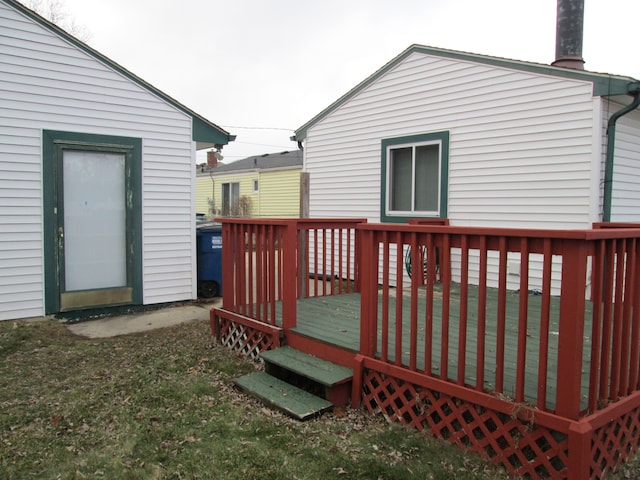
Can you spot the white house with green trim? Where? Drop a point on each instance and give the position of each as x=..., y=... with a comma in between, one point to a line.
x=266, y=185
x=97, y=186
x=482, y=141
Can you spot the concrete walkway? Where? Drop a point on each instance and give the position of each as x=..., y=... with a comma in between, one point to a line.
x=143, y=321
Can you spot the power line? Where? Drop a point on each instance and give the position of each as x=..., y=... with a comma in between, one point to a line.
x=235, y=142
x=259, y=128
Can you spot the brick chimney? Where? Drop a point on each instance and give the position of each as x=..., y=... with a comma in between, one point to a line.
x=212, y=159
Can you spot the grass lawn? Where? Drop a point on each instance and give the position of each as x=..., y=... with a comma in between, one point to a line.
x=162, y=405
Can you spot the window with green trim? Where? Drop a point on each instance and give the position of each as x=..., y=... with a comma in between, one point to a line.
x=414, y=176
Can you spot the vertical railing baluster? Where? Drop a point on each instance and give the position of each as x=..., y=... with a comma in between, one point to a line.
x=324, y=262
x=349, y=264
x=502, y=313
x=272, y=262
x=523, y=310
x=385, y=296
x=432, y=262
x=616, y=359
x=482, y=314
x=341, y=275
x=607, y=322
x=597, y=272
x=416, y=279
x=626, y=318
x=634, y=359
x=399, y=297
x=242, y=268
x=259, y=250
x=250, y=264
x=543, y=349
x=464, y=305
x=445, y=279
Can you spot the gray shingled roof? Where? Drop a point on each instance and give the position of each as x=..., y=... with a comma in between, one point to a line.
x=262, y=162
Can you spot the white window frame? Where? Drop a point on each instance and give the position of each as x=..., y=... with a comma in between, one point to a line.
x=389, y=159
x=227, y=204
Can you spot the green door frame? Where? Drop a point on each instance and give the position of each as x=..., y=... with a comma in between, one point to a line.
x=53, y=145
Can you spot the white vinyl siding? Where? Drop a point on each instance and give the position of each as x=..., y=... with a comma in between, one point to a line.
x=49, y=84
x=625, y=205
x=520, y=151
x=21, y=268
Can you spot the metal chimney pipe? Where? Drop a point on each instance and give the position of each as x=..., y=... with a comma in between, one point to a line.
x=569, y=26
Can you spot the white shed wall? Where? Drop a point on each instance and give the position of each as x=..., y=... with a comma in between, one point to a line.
x=49, y=84
x=521, y=144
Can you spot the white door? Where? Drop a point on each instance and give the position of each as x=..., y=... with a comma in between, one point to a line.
x=92, y=229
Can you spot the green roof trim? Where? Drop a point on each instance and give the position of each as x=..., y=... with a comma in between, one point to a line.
x=204, y=132
x=603, y=84
x=207, y=132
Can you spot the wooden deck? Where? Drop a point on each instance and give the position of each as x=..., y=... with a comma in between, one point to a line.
x=336, y=320
x=490, y=369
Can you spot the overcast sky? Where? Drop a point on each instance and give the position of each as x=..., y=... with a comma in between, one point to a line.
x=275, y=64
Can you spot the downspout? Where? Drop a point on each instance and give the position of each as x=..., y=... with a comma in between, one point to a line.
x=212, y=206
x=633, y=90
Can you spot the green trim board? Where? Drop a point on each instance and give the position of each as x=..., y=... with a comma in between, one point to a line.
x=603, y=84
x=443, y=138
x=53, y=144
x=203, y=130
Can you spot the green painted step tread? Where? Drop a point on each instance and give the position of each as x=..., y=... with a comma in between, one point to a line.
x=314, y=368
x=283, y=396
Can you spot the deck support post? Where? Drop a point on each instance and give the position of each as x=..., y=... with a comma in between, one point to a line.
x=368, y=298
x=579, y=458
x=570, y=340
x=228, y=257
x=356, y=384
x=289, y=282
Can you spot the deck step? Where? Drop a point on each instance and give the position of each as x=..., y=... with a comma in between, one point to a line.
x=283, y=396
x=313, y=368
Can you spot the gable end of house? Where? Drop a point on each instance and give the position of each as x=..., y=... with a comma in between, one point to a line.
x=603, y=84
x=206, y=134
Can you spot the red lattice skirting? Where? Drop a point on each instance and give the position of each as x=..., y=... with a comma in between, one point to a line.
x=525, y=441
x=242, y=334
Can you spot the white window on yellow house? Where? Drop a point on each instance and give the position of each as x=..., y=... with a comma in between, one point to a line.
x=230, y=199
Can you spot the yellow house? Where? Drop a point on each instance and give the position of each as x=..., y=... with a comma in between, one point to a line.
x=261, y=186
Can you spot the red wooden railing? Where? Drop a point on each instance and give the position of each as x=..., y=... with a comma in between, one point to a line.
x=327, y=257
x=271, y=263
x=597, y=325
x=450, y=319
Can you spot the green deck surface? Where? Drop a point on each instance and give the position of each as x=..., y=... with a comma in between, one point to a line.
x=336, y=320
x=283, y=396
x=316, y=369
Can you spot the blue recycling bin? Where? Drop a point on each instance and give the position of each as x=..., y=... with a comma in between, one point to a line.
x=209, y=254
